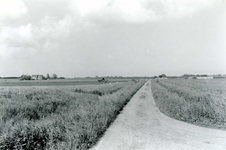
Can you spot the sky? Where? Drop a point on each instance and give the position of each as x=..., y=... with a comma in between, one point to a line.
x=112, y=37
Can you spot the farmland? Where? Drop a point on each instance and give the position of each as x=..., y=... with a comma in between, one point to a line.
x=60, y=117
x=200, y=102
x=58, y=82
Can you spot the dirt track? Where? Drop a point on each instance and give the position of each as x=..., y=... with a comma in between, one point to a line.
x=141, y=126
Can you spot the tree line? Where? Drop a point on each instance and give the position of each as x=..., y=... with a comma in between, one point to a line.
x=47, y=77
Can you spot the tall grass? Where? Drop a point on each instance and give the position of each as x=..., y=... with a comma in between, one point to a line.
x=99, y=90
x=191, y=101
x=59, y=118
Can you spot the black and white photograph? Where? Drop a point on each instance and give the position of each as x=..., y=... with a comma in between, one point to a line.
x=112, y=74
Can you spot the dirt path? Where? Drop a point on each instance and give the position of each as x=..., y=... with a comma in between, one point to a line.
x=141, y=126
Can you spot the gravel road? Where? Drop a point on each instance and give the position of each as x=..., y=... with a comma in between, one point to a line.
x=141, y=126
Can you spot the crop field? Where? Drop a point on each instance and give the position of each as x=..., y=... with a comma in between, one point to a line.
x=60, y=117
x=58, y=82
x=200, y=102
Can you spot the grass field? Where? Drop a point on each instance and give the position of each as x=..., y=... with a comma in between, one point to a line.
x=58, y=82
x=201, y=102
x=61, y=117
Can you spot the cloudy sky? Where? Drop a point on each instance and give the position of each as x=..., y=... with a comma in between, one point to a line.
x=112, y=37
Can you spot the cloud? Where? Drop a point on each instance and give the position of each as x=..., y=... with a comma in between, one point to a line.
x=178, y=8
x=16, y=40
x=54, y=29
x=17, y=36
x=113, y=10
x=29, y=38
x=22, y=46
x=137, y=11
x=12, y=9
x=90, y=34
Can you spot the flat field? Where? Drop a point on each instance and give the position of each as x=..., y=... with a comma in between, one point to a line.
x=57, y=82
x=60, y=117
x=200, y=102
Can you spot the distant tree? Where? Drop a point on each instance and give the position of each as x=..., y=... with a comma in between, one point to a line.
x=25, y=77
x=204, y=75
x=61, y=77
x=22, y=77
x=44, y=78
x=160, y=76
x=47, y=76
x=54, y=76
x=155, y=77
x=163, y=75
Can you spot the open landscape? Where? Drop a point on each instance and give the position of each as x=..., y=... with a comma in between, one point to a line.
x=67, y=116
x=61, y=117
x=60, y=82
x=112, y=74
x=200, y=102
x=142, y=126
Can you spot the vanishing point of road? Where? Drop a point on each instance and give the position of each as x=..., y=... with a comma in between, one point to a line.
x=141, y=126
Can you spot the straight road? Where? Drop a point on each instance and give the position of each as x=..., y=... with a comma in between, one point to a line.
x=141, y=126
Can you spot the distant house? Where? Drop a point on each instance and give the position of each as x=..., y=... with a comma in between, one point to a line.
x=37, y=77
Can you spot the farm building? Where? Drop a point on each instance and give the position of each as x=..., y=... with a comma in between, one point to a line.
x=37, y=77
